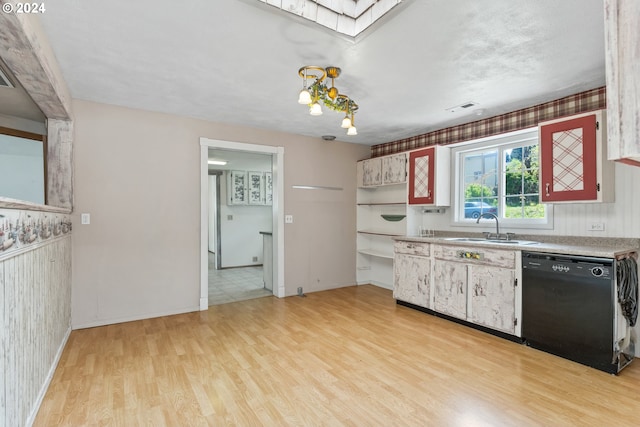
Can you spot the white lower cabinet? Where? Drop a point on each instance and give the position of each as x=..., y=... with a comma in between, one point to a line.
x=492, y=298
x=412, y=273
x=475, y=284
x=412, y=279
x=450, y=288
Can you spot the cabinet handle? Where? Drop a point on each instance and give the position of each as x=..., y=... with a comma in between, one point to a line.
x=410, y=246
x=547, y=186
x=470, y=255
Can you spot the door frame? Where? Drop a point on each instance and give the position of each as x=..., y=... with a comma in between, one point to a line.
x=277, y=154
x=218, y=243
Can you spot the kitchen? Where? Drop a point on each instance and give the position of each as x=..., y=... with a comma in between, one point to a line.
x=125, y=148
x=433, y=263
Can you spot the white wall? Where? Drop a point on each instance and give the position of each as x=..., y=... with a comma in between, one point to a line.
x=138, y=174
x=240, y=227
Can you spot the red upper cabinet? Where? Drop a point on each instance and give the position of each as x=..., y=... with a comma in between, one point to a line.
x=429, y=176
x=573, y=165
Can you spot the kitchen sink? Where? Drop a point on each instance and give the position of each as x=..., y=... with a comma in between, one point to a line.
x=497, y=241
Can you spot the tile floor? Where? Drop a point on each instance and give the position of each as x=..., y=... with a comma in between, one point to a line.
x=235, y=284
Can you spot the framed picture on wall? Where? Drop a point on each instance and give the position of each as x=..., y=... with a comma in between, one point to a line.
x=268, y=188
x=256, y=188
x=237, y=188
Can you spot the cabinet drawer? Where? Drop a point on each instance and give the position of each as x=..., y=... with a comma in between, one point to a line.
x=412, y=248
x=476, y=255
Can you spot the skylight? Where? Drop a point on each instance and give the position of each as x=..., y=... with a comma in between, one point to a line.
x=349, y=17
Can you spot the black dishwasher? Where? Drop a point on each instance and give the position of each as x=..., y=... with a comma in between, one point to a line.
x=568, y=308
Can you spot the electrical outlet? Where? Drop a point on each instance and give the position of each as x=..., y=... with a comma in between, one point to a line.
x=596, y=226
x=85, y=218
x=288, y=219
x=229, y=217
x=255, y=259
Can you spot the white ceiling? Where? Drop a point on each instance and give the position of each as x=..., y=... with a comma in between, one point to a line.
x=237, y=61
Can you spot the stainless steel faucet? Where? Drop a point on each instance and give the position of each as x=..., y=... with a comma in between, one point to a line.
x=494, y=216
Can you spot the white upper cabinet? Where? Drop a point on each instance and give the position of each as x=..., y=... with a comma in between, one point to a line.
x=385, y=170
x=622, y=59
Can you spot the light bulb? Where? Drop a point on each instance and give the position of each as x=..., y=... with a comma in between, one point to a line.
x=304, y=97
x=346, y=122
x=315, y=110
x=352, y=131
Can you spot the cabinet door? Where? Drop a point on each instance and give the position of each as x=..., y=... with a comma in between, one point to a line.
x=394, y=169
x=492, y=298
x=237, y=188
x=372, y=172
x=255, y=188
x=622, y=59
x=268, y=188
x=450, y=288
x=411, y=279
x=421, y=176
x=568, y=160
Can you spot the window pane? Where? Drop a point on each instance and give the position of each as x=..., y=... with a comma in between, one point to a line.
x=480, y=176
x=524, y=207
x=521, y=183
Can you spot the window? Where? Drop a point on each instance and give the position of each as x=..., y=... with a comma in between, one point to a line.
x=22, y=166
x=499, y=175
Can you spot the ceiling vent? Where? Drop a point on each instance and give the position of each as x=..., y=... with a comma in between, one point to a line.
x=4, y=80
x=463, y=106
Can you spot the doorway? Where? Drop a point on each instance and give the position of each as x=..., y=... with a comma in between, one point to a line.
x=240, y=225
x=277, y=219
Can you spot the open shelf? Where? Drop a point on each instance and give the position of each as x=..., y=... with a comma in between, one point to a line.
x=375, y=253
x=380, y=233
x=381, y=215
x=383, y=204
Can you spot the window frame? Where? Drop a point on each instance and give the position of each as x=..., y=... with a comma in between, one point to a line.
x=501, y=143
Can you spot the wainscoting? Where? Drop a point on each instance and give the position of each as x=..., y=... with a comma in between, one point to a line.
x=36, y=320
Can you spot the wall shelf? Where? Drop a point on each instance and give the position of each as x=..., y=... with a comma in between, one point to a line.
x=383, y=204
x=379, y=233
x=378, y=254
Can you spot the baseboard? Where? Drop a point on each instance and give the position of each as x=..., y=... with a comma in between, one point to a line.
x=105, y=322
x=47, y=381
x=378, y=284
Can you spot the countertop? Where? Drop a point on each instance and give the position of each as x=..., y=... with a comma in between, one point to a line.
x=569, y=245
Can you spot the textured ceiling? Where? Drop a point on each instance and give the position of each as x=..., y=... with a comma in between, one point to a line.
x=237, y=61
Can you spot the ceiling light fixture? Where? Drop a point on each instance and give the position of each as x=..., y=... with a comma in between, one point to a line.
x=217, y=162
x=316, y=94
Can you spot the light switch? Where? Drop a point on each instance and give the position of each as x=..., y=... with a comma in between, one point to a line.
x=85, y=218
x=288, y=219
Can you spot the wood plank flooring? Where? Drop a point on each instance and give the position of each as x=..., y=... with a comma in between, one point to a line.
x=345, y=357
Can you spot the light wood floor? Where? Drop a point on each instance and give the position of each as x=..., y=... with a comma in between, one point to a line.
x=343, y=357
